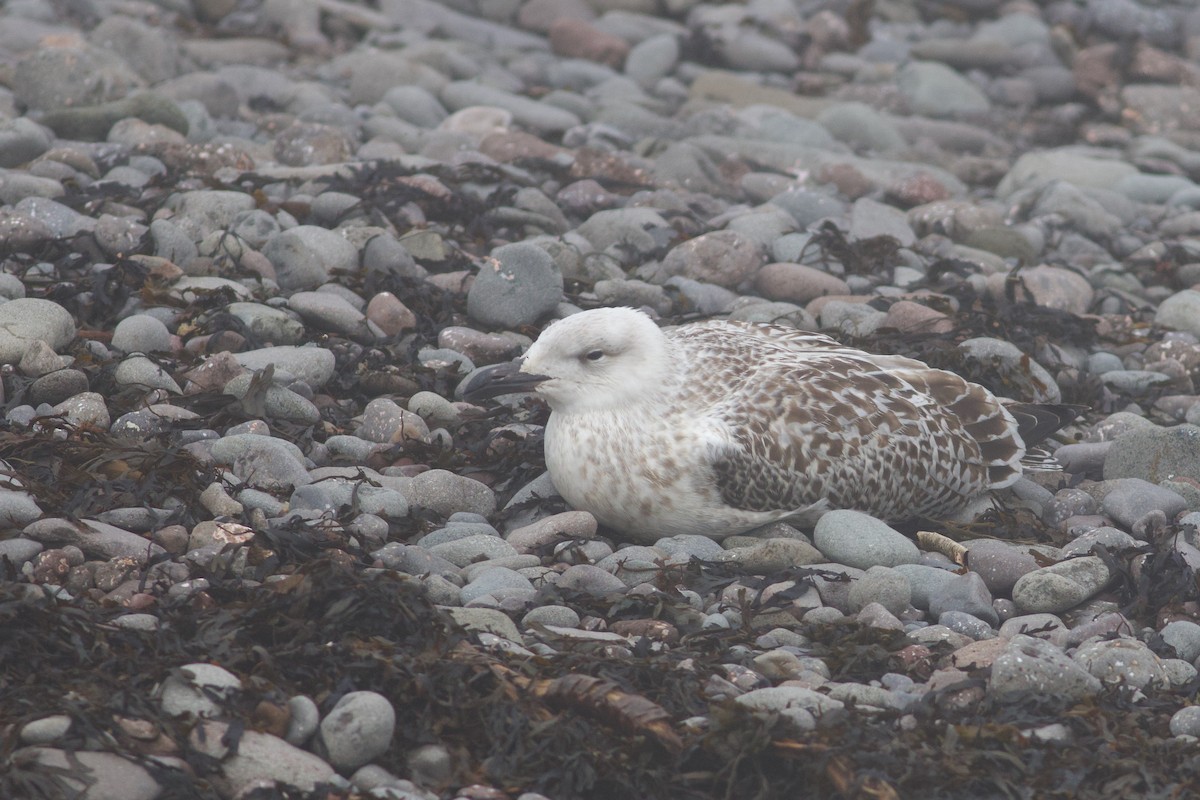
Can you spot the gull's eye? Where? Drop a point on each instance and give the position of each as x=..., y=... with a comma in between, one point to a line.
x=594, y=355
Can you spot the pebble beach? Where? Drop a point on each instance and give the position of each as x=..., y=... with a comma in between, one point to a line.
x=256, y=544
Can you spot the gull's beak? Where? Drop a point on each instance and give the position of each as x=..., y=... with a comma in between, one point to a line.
x=500, y=379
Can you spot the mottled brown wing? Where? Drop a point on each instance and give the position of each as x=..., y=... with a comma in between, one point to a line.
x=896, y=442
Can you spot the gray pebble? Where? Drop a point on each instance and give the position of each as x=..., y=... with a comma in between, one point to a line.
x=1043, y=626
x=306, y=256
x=1025, y=374
x=445, y=493
x=278, y=402
x=1082, y=458
x=137, y=622
x=725, y=258
x=17, y=509
x=859, y=540
x=332, y=495
x=966, y=593
x=1180, y=311
x=22, y=140
x=262, y=461
x=269, y=325
x=107, y=774
x=1111, y=538
x=313, y=365
x=137, y=371
x=1186, y=722
x=1155, y=454
x=45, y=730
x=96, y=540
x=305, y=717
x=200, y=690
x=1130, y=499
x=141, y=333
x=935, y=90
x=260, y=757
x=801, y=707
x=457, y=530
x=518, y=285
x=862, y=127
x=1061, y=586
x=201, y=212
x=1184, y=636
x=590, y=580
x=881, y=585
x=568, y=525
x=462, y=552
x=530, y=113
x=634, y=564
x=414, y=560
x=690, y=546
x=357, y=729
x=329, y=312
x=486, y=620
x=29, y=319
x=1030, y=666
x=20, y=550
x=560, y=616
x=431, y=765
x=1126, y=662
x=923, y=581
x=998, y=563
x=775, y=555
x=967, y=624
x=85, y=408
x=494, y=578
x=652, y=59
x=630, y=233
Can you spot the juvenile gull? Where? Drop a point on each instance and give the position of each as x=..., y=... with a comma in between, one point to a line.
x=718, y=427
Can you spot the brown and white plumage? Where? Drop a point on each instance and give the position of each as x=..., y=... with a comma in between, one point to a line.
x=718, y=427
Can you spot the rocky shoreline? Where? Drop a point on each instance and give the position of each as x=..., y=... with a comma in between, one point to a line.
x=255, y=539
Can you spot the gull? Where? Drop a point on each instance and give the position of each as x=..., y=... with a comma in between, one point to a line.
x=718, y=427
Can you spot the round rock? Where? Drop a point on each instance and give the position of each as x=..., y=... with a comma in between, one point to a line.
x=519, y=285
x=306, y=256
x=1035, y=667
x=725, y=258
x=141, y=333
x=358, y=729
x=26, y=320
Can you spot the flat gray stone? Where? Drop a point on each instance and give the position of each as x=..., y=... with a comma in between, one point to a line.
x=1130, y=499
x=313, y=365
x=262, y=461
x=534, y=114
x=1154, y=454
x=96, y=539
x=1062, y=586
x=260, y=757
x=106, y=776
x=859, y=540
x=445, y=493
